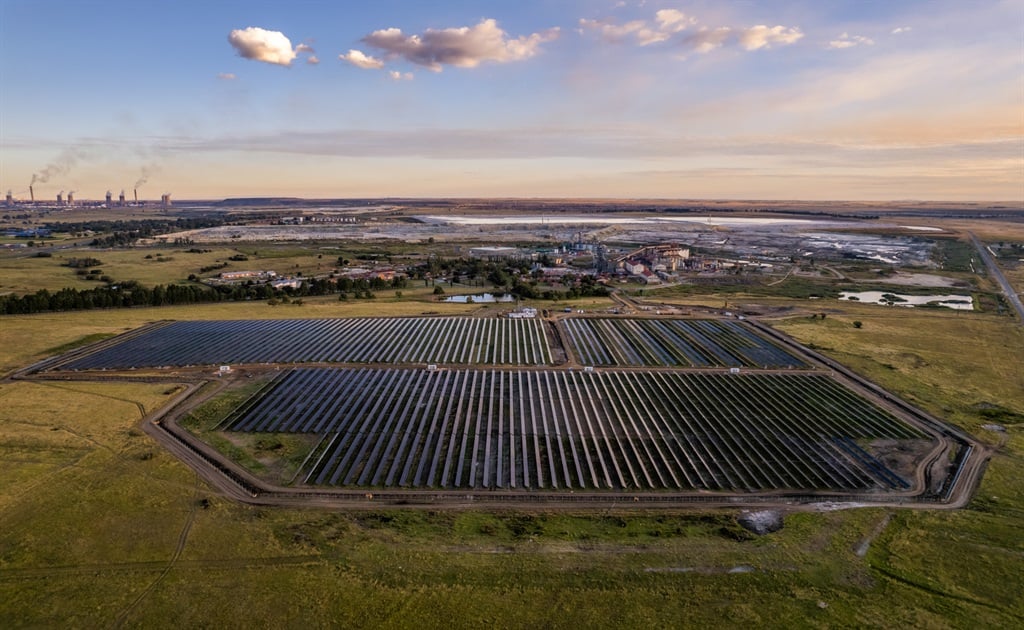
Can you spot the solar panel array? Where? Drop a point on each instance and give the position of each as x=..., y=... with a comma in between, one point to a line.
x=450, y=340
x=674, y=342
x=472, y=428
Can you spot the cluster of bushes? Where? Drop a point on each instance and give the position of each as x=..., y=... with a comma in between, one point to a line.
x=82, y=263
x=125, y=233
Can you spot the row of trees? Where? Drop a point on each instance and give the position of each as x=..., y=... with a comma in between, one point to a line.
x=125, y=233
x=131, y=294
x=122, y=295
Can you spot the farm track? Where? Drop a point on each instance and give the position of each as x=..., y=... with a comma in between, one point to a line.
x=993, y=269
x=122, y=617
x=233, y=481
x=155, y=566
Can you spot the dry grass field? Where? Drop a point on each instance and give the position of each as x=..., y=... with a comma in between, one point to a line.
x=100, y=527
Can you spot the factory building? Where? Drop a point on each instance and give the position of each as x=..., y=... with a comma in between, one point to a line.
x=500, y=253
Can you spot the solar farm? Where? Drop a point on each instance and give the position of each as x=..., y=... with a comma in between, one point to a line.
x=569, y=429
x=644, y=406
x=682, y=343
x=457, y=340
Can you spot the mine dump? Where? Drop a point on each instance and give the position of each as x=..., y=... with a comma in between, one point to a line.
x=425, y=408
x=760, y=238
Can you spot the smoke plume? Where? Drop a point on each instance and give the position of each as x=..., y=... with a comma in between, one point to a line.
x=61, y=165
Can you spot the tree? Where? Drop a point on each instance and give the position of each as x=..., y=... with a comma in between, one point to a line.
x=438, y=290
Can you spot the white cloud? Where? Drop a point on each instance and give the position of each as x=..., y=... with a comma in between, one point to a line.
x=262, y=45
x=761, y=36
x=849, y=41
x=361, y=60
x=226, y=76
x=610, y=31
x=707, y=39
x=310, y=53
x=673, y=19
x=666, y=23
x=464, y=47
x=400, y=76
x=900, y=29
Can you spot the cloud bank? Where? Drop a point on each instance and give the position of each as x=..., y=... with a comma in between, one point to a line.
x=463, y=47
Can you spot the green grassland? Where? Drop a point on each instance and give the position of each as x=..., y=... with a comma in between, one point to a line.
x=100, y=527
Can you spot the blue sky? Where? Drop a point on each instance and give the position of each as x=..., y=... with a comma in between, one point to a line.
x=589, y=98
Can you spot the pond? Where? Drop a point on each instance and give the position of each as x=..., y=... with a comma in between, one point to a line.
x=958, y=302
x=482, y=298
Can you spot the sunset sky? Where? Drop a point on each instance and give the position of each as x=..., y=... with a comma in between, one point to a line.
x=814, y=99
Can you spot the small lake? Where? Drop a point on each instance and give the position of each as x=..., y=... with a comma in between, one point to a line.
x=958, y=302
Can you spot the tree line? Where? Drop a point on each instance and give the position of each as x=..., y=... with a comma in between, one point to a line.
x=131, y=294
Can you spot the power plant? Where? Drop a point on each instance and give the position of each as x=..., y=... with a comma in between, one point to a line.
x=66, y=199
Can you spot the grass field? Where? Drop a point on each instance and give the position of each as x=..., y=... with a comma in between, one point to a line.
x=98, y=526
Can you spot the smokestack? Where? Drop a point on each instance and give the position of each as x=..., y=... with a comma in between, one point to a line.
x=60, y=197
x=32, y=194
x=120, y=200
x=110, y=198
x=136, y=191
x=10, y=199
x=71, y=198
x=165, y=200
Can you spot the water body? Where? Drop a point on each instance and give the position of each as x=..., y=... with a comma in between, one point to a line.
x=617, y=220
x=483, y=298
x=958, y=302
